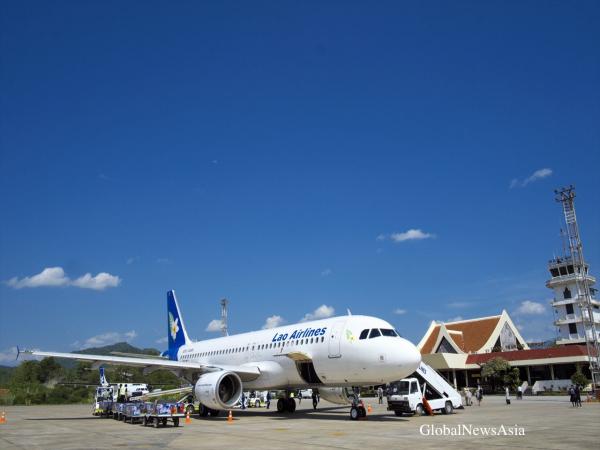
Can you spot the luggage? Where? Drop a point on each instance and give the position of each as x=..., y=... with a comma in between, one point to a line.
x=508, y=401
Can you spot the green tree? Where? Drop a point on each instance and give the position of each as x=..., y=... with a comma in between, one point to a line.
x=500, y=373
x=579, y=378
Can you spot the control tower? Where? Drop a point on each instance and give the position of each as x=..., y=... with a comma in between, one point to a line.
x=577, y=310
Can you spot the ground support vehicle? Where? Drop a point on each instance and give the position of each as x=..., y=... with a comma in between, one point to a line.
x=158, y=413
x=424, y=390
x=256, y=399
x=103, y=408
x=133, y=412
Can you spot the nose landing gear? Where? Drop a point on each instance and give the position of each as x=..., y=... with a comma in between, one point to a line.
x=357, y=410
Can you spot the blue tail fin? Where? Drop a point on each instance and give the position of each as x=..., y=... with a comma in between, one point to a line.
x=103, y=380
x=176, y=332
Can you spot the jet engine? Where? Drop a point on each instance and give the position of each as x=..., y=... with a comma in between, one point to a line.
x=337, y=395
x=218, y=390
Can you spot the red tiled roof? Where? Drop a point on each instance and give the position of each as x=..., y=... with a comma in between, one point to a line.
x=523, y=355
x=430, y=342
x=475, y=333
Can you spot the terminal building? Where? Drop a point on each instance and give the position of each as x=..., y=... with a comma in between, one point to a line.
x=458, y=350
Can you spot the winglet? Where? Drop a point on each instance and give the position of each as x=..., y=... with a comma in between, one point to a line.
x=19, y=352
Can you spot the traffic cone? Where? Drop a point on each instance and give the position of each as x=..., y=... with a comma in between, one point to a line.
x=187, y=418
x=369, y=409
x=3, y=417
x=230, y=417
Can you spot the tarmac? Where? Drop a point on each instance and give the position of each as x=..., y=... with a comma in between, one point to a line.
x=540, y=423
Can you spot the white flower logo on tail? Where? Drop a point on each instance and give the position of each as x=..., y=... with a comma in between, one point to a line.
x=174, y=326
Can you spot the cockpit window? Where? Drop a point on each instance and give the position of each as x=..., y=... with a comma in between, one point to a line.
x=388, y=332
x=364, y=334
x=374, y=333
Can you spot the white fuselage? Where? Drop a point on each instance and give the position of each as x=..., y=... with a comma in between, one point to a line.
x=333, y=346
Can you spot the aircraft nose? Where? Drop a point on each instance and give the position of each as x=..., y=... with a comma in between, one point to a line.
x=410, y=357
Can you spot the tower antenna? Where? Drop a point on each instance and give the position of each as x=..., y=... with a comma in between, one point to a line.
x=224, y=330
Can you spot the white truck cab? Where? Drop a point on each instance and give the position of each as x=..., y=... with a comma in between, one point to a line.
x=406, y=396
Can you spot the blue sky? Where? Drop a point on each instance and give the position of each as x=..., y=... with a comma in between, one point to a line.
x=279, y=153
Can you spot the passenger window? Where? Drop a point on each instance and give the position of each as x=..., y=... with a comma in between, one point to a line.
x=374, y=333
x=364, y=334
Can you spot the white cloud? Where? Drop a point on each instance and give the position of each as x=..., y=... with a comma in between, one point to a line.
x=133, y=259
x=326, y=272
x=98, y=283
x=531, y=308
x=273, y=322
x=399, y=311
x=163, y=261
x=56, y=276
x=410, y=235
x=162, y=340
x=214, y=325
x=537, y=175
x=414, y=234
x=110, y=337
x=322, y=312
x=50, y=276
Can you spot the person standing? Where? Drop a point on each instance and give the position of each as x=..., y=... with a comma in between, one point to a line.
x=469, y=397
x=268, y=399
x=507, y=395
x=315, y=399
x=519, y=393
x=479, y=395
x=577, y=396
x=380, y=395
x=572, y=396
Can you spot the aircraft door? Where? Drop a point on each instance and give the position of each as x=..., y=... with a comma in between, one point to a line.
x=335, y=338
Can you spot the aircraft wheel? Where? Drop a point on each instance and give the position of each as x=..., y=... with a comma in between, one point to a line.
x=291, y=405
x=354, y=414
x=281, y=405
x=203, y=410
x=362, y=412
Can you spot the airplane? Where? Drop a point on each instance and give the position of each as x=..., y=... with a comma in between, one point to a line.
x=334, y=355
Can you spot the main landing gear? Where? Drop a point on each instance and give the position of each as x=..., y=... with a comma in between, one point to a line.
x=286, y=404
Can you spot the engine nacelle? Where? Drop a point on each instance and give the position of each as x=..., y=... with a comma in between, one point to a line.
x=218, y=390
x=337, y=395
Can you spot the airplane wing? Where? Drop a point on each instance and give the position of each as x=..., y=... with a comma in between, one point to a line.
x=180, y=368
x=185, y=390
